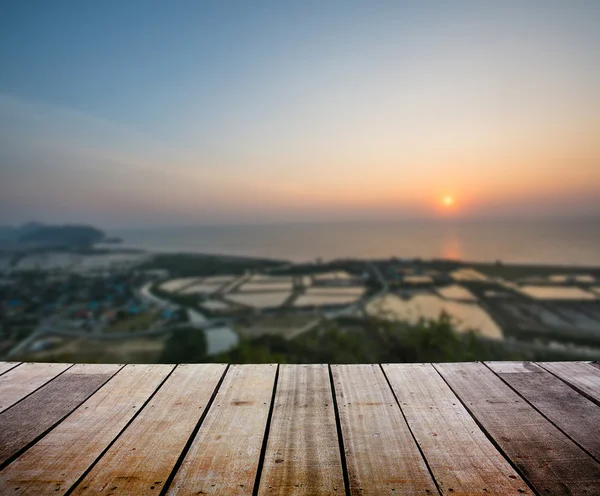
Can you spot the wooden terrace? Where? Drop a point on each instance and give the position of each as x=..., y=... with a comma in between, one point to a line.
x=499, y=428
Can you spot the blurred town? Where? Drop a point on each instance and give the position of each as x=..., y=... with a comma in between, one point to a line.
x=115, y=305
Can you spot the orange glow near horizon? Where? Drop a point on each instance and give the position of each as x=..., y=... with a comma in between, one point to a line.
x=448, y=201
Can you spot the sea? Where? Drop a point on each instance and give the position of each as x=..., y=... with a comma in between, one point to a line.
x=552, y=242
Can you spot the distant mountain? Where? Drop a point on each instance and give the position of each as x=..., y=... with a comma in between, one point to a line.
x=29, y=227
x=69, y=235
x=37, y=234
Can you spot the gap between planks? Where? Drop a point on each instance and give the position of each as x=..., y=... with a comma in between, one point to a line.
x=460, y=456
x=19, y=382
x=58, y=460
x=31, y=418
x=164, y=425
x=571, y=412
x=549, y=460
x=583, y=377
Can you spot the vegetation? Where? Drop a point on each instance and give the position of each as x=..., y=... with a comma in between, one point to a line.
x=139, y=322
x=184, y=300
x=547, y=335
x=516, y=271
x=356, y=267
x=194, y=301
x=189, y=264
x=185, y=345
x=375, y=341
x=346, y=340
x=61, y=235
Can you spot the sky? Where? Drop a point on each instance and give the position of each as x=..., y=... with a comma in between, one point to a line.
x=144, y=113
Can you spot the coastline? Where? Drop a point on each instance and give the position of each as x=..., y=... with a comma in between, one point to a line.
x=529, y=242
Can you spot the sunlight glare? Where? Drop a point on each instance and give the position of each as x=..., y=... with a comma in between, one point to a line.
x=448, y=201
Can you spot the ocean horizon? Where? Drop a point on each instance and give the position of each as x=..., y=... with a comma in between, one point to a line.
x=527, y=241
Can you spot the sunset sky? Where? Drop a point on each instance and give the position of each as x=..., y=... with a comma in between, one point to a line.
x=146, y=113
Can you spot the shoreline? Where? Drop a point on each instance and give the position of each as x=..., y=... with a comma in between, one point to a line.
x=536, y=268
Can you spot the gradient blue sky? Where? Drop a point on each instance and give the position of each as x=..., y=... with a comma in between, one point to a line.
x=145, y=113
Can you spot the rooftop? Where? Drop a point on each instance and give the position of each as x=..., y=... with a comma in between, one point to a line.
x=454, y=428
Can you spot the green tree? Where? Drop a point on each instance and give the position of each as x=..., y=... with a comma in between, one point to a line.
x=185, y=345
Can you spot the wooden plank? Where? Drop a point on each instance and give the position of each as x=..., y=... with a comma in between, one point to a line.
x=461, y=457
x=31, y=417
x=131, y=465
x=25, y=379
x=550, y=461
x=582, y=376
x=381, y=454
x=6, y=366
x=513, y=367
x=571, y=412
x=303, y=453
x=56, y=461
x=224, y=456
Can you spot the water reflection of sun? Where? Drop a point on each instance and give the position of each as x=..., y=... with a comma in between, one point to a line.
x=451, y=248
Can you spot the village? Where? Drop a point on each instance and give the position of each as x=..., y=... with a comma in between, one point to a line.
x=112, y=306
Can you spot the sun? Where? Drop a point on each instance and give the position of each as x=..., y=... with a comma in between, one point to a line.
x=448, y=201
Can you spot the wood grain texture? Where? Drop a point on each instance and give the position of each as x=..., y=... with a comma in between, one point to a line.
x=303, y=454
x=571, y=412
x=142, y=458
x=224, y=456
x=55, y=462
x=514, y=367
x=582, y=376
x=6, y=366
x=381, y=454
x=62, y=442
x=549, y=460
x=461, y=457
x=23, y=380
x=31, y=417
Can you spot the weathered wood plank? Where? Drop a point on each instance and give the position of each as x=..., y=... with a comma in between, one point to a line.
x=513, y=367
x=25, y=379
x=55, y=462
x=224, y=456
x=582, y=376
x=31, y=417
x=461, y=457
x=573, y=413
x=303, y=454
x=549, y=460
x=6, y=366
x=131, y=465
x=381, y=454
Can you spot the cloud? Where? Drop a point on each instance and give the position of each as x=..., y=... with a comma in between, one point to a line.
x=56, y=161
x=58, y=164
